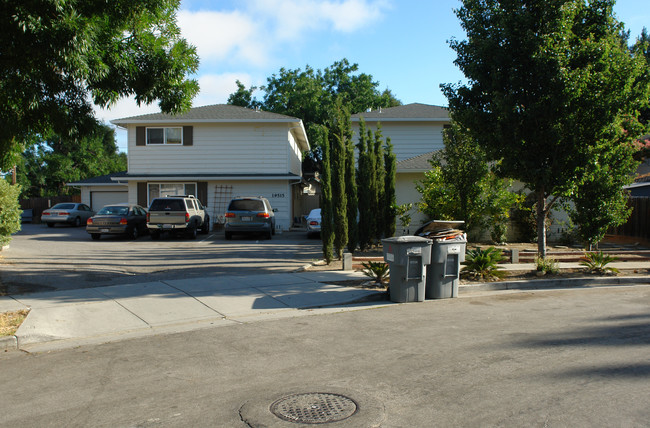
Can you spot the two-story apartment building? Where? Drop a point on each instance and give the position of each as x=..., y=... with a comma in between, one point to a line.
x=214, y=152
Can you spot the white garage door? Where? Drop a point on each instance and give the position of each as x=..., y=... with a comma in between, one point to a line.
x=99, y=199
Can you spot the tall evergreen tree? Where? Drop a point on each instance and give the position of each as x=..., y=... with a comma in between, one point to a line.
x=372, y=186
x=353, y=203
x=342, y=132
x=363, y=187
x=327, y=223
x=389, y=202
x=380, y=174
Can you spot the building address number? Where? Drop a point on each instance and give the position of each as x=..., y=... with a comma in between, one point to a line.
x=277, y=195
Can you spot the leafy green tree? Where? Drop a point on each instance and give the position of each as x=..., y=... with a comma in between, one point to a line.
x=599, y=200
x=311, y=95
x=327, y=220
x=389, y=201
x=545, y=83
x=49, y=165
x=9, y=211
x=57, y=56
x=461, y=186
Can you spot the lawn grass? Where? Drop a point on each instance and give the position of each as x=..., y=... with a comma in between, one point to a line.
x=10, y=321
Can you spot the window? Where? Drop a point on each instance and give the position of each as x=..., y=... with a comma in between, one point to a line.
x=164, y=136
x=160, y=190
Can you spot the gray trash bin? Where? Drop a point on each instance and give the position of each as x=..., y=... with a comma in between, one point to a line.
x=444, y=271
x=407, y=258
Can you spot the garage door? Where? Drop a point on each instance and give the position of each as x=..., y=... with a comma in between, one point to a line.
x=99, y=199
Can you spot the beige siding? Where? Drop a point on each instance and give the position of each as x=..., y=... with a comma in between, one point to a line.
x=217, y=148
x=295, y=156
x=409, y=139
x=405, y=193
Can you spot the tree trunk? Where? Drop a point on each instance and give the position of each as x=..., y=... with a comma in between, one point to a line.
x=541, y=224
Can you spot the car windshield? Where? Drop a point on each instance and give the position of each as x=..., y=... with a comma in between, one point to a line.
x=114, y=211
x=167, y=205
x=246, y=205
x=314, y=213
x=63, y=207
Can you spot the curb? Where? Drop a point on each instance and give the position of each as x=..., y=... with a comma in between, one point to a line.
x=555, y=283
x=8, y=343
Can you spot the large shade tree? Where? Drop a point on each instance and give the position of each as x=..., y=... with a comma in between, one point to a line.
x=547, y=82
x=56, y=57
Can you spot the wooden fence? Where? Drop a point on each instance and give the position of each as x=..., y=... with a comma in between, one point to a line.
x=637, y=224
x=38, y=205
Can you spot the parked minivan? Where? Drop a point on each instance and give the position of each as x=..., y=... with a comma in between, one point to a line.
x=251, y=214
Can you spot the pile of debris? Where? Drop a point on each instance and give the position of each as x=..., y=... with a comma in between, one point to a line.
x=440, y=230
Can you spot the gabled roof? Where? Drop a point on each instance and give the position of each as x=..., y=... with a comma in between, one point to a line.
x=211, y=113
x=408, y=112
x=418, y=163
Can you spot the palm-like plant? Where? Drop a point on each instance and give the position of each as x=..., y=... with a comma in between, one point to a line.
x=597, y=262
x=483, y=264
x=378, y=271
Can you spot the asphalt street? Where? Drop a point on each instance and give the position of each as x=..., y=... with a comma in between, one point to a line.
x=554, y=358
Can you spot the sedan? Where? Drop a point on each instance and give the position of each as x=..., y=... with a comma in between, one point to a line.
x=313, y=222
x=68, y=213
x=118, y=219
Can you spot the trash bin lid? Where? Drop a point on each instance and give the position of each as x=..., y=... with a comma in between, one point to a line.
x=406, y=240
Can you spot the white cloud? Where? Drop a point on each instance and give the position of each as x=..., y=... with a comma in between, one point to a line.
x=215, y=88
x=220, y=36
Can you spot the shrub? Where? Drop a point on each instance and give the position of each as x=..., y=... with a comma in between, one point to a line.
x=547, y=265
x=9, y=211
x=597, y=262
x=378, y=271
x=483, y=264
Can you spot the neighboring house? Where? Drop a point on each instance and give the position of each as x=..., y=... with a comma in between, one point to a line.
x=214, y=152
x=415, y=131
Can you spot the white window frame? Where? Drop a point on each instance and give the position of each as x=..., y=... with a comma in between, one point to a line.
x=165, y=141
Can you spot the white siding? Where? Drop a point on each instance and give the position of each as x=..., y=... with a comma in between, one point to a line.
x=217, y=148
x=409, y=139
x=295, y=156
x=405, y=193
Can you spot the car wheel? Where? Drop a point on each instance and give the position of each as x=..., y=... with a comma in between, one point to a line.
x=191, y=233
x=134, y=233
x=269, y=235
x=155, y=235
x=77, y=222
x=50, y=224
x=95, y=236
x=228, y=236
x=205, y=229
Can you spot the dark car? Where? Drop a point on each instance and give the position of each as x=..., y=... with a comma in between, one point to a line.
x=118, y=219
x=250, y=215
x=68, y=212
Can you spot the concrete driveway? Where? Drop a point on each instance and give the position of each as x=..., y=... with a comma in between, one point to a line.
x=42, y=258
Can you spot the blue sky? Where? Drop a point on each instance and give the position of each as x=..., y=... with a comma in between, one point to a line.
x=401, y=43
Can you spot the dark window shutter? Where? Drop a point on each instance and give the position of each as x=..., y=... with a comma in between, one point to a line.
x=202, y=192
x=140, y=136
x=142, y=194
x=188, y=132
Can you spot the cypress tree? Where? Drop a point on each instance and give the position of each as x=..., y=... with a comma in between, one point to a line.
x=372, y=187
x=351, y=191
x=327, y=229
x=363, y=186
x=380, y=173
x=338, y=161
x=390, y=216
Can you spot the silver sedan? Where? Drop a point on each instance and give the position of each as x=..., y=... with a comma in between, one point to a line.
x=67, y=213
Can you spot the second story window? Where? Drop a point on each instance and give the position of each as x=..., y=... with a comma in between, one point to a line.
x=165, y=136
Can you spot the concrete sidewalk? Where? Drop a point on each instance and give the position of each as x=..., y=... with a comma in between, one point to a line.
x=61, y=319
x=66, y=318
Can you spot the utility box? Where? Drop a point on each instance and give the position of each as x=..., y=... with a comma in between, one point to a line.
x=407, y=258
x=444, y=271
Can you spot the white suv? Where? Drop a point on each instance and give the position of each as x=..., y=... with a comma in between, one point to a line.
x=177, y=214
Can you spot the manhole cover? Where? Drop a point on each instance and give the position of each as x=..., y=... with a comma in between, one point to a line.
x=314, y=408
